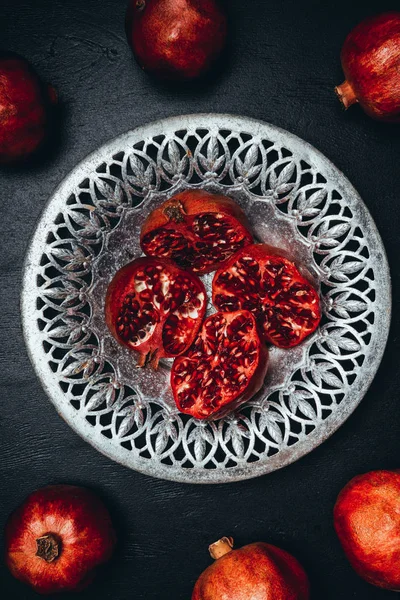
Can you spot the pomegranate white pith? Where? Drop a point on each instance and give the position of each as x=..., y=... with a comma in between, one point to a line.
x=196, y=229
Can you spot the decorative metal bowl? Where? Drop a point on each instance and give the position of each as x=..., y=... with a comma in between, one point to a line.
x=295, y=199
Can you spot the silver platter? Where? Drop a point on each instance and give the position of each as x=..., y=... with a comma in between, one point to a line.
x=295, y=199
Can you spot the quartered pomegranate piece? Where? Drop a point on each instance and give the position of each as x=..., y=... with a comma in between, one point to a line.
x=285, y=304
x=225, y=366
x=196, y=229
x=155, y=308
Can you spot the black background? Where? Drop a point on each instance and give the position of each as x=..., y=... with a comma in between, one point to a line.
x=282, y=66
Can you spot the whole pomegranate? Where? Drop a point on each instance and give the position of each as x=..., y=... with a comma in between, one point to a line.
x=57, y=537
x=24, y=108
x=367, y=521
x=255, y=572
x=371, y=64
x=175, y=39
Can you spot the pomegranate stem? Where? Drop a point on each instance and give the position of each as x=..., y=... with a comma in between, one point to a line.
x=48, y=547
x=346, y=94
x=220, y=548
x=154, y=360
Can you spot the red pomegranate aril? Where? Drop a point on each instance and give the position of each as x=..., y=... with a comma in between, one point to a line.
x=196, y=229
x=150, y=308
x=224, y=367
x=284, y=303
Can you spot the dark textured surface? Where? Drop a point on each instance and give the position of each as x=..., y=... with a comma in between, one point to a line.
x=282, y=66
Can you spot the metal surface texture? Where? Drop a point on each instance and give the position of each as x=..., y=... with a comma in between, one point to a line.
x=295, y=199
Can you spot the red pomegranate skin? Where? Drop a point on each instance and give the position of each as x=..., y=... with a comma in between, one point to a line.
x=258, y=571
x=367, y=521
x=176, y=39
x=80, y=522
x=23, y=109
x=371, y=64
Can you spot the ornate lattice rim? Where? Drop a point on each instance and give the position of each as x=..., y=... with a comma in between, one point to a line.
x=302, y=151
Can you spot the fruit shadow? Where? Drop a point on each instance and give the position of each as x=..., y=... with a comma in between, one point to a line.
x=197, y=88
x=380, y=131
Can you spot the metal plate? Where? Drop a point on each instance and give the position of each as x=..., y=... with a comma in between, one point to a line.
x=295, y=199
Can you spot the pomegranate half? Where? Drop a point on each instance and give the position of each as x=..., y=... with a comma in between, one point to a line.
x=196, y=229
x=155, y=308
x=225, y=366
x=259, y=279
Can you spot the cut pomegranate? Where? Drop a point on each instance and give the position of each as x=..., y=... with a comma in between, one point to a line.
x=225, y=366
x=155, y=308
x=196, y=229
x=259, y=279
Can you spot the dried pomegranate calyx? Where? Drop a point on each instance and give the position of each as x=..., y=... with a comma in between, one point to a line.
x=221, y=547
x=175, y=211
x=346, y=94
x=151, y=358
x=48, y=547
